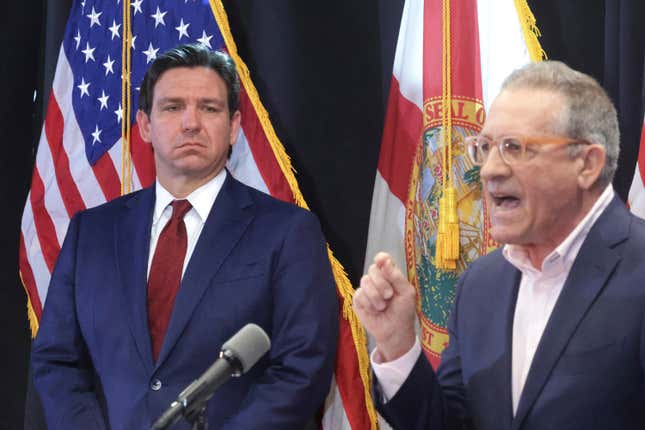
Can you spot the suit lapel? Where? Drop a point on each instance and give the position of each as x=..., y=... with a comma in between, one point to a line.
x=132, y=242
x=228, y=219
x=510, y=276
x=592, y=268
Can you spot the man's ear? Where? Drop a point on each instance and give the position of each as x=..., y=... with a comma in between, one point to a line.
x=593, y=160
x=144, y=125
x=236, y=120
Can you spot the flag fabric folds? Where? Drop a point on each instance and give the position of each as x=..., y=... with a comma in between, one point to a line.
x=637, y=191
x=450, y=61
x=90, y=150
x=636, y=196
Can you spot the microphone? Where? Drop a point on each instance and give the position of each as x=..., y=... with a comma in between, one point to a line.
x=237, y=356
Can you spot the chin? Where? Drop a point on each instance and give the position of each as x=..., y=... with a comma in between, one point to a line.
x=504, y=236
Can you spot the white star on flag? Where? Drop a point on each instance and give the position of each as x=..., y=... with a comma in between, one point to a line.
x=119, y=114
x=89, y=52
x=108, y=65
x=136, y=4
x=94, y=18
x=77, y=38
x=84, y=87
x=115, y=29
x=205, y=40
x=96, y=136
x=103, y=100
x=133, y=39
x=182, y=29
x=158, y=16
x=151, y=53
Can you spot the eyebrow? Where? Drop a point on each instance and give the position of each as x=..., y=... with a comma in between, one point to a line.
x=206, y=100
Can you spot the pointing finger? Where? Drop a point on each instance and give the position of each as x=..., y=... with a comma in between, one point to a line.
x=391, y=273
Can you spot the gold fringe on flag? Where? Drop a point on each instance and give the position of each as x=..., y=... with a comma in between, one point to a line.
x=530, y=30
x=31, y=314
x=343, y=284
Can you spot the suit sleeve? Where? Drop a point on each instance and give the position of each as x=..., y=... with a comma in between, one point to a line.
x=62, y=368
x=304, y=334
x=429, y=400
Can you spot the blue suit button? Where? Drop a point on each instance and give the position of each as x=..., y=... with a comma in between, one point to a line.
x=155, y=385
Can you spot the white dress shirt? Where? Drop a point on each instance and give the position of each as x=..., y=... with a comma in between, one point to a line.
x=538, y=292
x=201, y=200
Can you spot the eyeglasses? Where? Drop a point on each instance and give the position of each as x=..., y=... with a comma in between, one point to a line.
x=512, y=149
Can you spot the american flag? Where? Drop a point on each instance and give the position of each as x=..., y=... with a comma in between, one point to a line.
x=82, y=160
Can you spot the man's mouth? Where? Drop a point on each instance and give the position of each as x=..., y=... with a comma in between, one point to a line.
x=505, y=201
x=189, y=145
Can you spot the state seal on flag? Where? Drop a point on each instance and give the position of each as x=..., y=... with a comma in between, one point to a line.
x=436, y=287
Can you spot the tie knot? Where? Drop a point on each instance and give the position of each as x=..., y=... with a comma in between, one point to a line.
x=180, y=208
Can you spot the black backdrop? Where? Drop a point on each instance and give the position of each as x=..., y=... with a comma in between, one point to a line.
x=323, y=71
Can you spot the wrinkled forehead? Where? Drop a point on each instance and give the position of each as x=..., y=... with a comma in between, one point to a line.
x=526, y=112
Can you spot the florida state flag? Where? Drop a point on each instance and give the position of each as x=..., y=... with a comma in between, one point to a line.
x=427, y=207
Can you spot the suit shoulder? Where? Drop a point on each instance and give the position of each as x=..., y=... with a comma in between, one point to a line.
x=637, y=230
x=485, y=275
x=269, y=205
x=487, y=263
x=114, y=206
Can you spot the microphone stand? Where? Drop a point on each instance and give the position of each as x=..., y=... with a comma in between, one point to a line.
x=198, y=419
x=238, y=354
x=193, y=400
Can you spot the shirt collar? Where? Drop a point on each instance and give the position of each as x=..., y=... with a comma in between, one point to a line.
x=562, y=257
x=201, y=199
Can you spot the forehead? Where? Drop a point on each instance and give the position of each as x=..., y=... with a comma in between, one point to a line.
x=184, y=82
x=524, y=111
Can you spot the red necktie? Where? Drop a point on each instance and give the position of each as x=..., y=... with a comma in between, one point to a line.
x=165, y=273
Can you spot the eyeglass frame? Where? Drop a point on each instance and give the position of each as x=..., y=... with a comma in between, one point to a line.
x=524, y=142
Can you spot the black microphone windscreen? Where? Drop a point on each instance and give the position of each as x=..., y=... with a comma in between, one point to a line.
x=248, y=345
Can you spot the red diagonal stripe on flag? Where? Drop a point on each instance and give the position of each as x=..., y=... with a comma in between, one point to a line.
x=54, y=131
x=403, y=126
x=28, y=278
x=107, y=177
x=44, y=225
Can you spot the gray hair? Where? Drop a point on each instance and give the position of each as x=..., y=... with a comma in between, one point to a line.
x=588, y=114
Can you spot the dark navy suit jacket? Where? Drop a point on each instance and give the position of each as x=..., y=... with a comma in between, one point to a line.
x=257, y=260
x=587, y=372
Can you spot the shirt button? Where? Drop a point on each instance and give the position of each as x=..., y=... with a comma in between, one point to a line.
x=155, y=385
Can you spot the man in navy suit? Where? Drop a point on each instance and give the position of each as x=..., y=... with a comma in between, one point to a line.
x=137, y=310
x=547, y=332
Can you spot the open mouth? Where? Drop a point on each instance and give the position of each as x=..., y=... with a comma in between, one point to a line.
x=504, y=201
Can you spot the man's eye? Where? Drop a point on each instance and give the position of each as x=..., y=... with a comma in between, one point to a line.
x=170, y=108
x=211, y=109
x=484, y=147
x=512, y=146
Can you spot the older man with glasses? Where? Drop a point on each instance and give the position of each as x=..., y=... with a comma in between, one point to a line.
x=548, y=332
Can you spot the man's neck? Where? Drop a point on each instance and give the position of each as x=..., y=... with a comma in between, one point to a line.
x=181, y=186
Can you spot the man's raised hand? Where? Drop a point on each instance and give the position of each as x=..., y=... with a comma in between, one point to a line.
x=386, y=305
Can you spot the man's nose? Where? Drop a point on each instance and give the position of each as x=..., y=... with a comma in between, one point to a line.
x=494, y=166
x=190, y=119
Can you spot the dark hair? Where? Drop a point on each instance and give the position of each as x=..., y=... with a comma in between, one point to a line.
x=195, y=55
